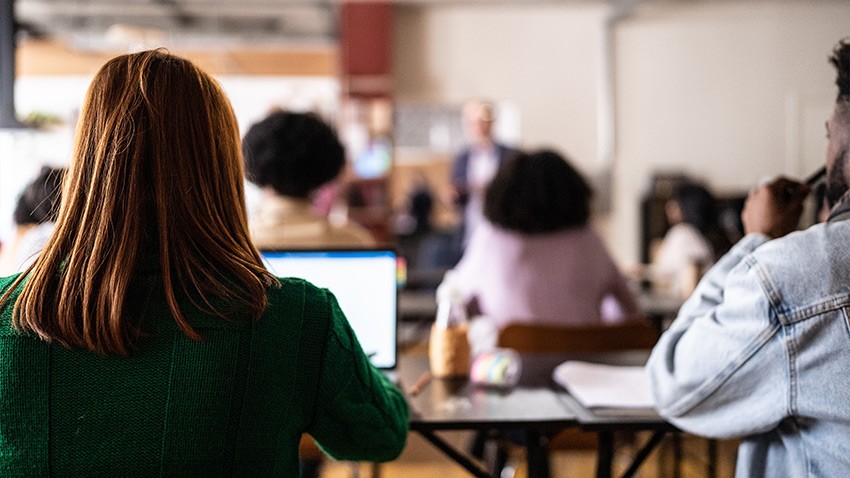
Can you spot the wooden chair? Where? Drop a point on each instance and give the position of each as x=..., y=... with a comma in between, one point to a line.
x=545, y=339
x=309, y=453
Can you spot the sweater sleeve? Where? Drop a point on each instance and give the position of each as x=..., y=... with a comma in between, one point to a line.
x=360, y=415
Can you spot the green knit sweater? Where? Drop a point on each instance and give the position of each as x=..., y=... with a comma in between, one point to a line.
x=234, y=404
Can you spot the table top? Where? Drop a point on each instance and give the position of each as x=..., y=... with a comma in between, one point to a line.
x=536, y=402
x=658, y=304
x=457, y=404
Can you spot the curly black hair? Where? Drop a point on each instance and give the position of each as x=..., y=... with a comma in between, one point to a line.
x=537, y=192
x=39, y=202
x=841, y=60
x=294, y=153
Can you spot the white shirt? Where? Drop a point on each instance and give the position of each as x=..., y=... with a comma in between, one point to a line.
x=683, y=246
x=482, y=166
x=22, y=251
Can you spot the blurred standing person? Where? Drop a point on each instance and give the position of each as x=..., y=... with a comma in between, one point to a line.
x=535, y=258
x=475, y=166
x=34, y=218
x=291, y=156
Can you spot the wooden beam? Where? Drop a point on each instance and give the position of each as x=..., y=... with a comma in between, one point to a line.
x=52, y=58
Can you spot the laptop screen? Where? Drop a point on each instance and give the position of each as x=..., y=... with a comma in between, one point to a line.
x=365, y=285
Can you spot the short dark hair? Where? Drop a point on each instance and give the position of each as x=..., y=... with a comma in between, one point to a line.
x=700, y=209
x=697, y=205
x=39, y=202
x=537, y=192
x=841, y=60
x=293, y=153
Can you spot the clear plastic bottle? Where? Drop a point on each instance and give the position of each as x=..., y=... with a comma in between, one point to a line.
x=451, y=311
x=448, y=347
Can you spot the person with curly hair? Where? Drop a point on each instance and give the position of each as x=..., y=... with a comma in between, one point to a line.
x=761, y=350
x=536, y=258
x=291, y=156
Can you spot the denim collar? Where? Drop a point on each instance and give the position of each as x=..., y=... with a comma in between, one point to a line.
x=841, y=211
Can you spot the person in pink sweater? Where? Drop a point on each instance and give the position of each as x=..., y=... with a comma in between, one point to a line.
x=536, y=258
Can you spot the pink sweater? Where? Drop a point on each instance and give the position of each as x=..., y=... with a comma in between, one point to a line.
x=558, y=278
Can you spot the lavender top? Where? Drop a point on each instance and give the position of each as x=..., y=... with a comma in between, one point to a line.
x=558, y=278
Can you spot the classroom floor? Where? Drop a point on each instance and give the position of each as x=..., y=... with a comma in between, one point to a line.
x=421, y=460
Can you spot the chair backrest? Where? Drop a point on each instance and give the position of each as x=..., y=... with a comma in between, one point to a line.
x=524, y=338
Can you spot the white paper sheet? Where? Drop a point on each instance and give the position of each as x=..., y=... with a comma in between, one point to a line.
x=609, y=386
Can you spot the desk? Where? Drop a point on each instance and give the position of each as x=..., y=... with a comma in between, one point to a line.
x=662, y=308
x=456, y=404
x=417, y=304
x=623, y=420
x=422, y=304
x=536, y=407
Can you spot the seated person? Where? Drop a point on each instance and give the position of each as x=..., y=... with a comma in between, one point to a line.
x=290, y=156
x=535, y=258
x=147, y=338
x=761, y=350
x=693, y=242
x=34, y=215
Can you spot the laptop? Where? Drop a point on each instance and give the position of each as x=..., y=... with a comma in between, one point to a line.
x=365, y=283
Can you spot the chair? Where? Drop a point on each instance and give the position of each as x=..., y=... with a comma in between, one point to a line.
x=310, y=456
x=547, y=339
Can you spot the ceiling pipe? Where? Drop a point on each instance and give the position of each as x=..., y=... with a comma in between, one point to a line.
x=606, y=93
x=8, y=45
x=606, y=111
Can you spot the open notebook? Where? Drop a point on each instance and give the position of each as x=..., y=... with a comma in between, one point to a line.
x=365, y=284
x=606, y=389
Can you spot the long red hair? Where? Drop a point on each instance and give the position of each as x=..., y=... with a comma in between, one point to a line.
x=156, y=172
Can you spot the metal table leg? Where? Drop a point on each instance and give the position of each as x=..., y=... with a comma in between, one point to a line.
x=458, y=457
x=605, y=454
x=537, y=454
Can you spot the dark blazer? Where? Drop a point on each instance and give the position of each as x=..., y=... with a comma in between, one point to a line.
x=459, y=179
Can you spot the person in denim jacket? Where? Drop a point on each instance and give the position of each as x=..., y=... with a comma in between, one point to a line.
x=761, y=350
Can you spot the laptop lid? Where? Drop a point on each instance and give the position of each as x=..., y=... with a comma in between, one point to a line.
x=365, y=283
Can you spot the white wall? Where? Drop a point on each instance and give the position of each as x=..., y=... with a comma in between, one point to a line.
x=542, y=59
x=23, y=152
x=726, y=91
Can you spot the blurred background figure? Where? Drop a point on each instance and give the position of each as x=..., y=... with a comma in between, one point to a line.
x=291, y=156
x=416, y=219
x=693, y=243
x=535, y=257
x=34, y=218
x=476, y=165
x=429, y=247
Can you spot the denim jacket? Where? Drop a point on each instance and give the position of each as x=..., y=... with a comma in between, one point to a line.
x=761, y=351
